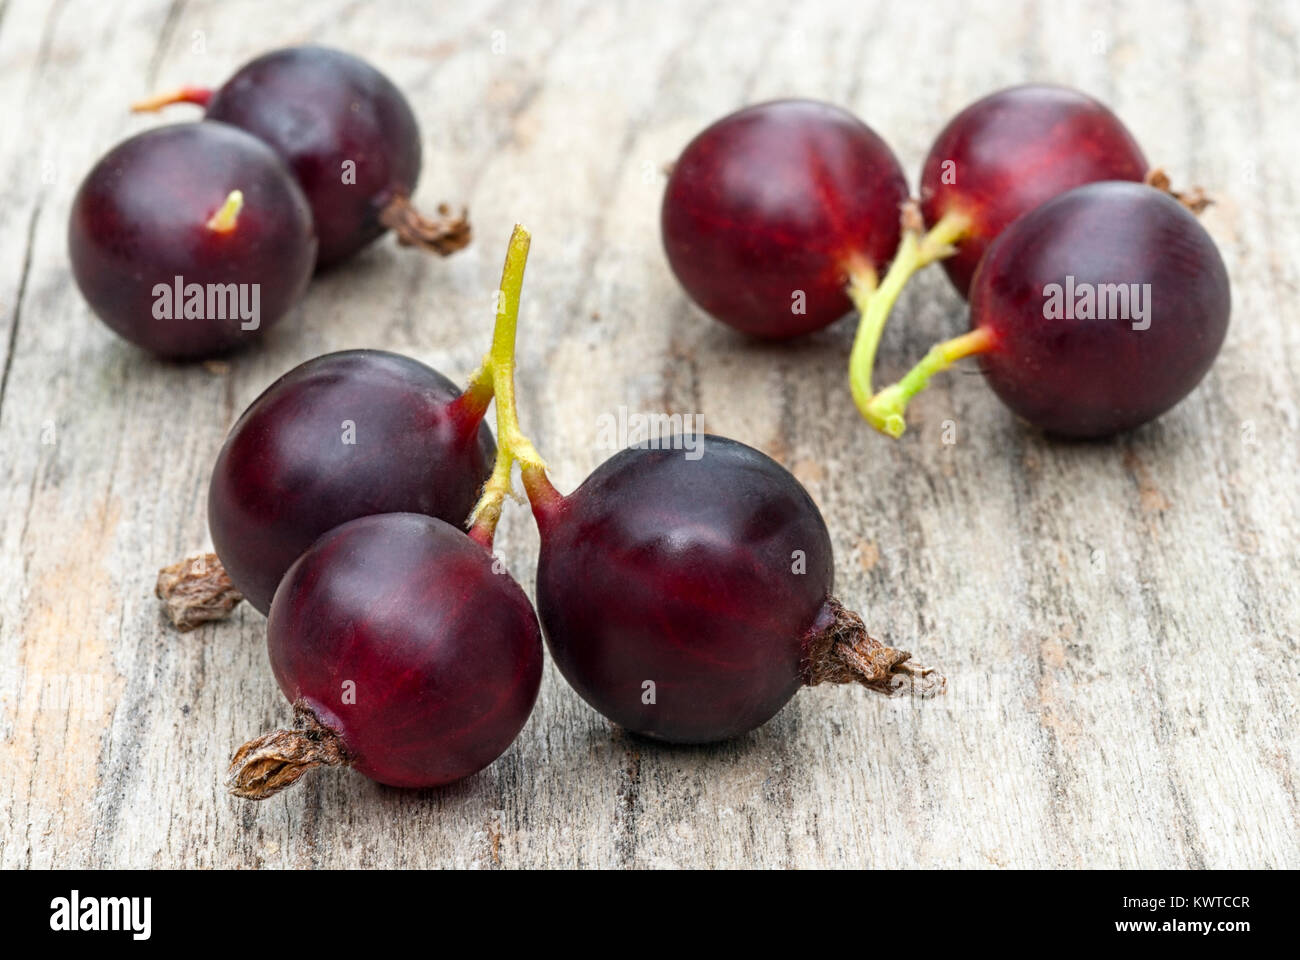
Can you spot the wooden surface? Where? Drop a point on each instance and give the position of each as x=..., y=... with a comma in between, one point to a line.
x=1118, y=621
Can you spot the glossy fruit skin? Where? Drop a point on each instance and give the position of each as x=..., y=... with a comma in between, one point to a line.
x=1092, y=378
x=774, y=199
x=285, y=475
x=681, y=572
x=1014, y=150
x=140, y=218
x=443, y=654
x=320, y=109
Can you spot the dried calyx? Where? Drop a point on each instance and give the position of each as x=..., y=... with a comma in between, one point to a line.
x=1194, y=199
x=444, y=234
x=265, y=765
x=839, y=650
x=195, y=591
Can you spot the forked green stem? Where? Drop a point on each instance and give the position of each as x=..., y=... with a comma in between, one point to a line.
x=497, y=373
x=885, y=410
x=876, y=301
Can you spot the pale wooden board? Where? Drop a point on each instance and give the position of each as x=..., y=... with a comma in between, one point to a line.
x=1118, y=621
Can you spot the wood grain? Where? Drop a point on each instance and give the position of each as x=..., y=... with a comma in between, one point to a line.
x=1118, y=621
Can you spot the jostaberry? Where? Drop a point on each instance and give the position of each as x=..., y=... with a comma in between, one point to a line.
x=191, y=240
x=775, y=217
x=1012, y=151
x=689, y=598
x=405, y=654
x=342, y=436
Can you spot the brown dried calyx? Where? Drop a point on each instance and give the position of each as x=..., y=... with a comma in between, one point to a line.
x=196, y=591
x=444, y=234
x=841, y=651
x=1195, y=199
x=264, y=766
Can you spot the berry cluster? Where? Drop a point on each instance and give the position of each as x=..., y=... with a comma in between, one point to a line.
x=687, y=599
x=190, y=240
x=1097, y=301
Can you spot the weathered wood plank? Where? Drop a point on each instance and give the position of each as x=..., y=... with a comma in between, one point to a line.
x=1118, y=621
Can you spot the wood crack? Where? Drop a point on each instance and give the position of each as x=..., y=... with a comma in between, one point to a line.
x=19, y=297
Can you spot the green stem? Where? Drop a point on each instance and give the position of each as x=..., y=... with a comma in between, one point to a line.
x=885, y=410
x=876, y=301
x=497, y=372
x=227, y=215
x=199, y=96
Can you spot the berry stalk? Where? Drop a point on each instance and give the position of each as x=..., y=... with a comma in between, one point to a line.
x=497, y=372
x=885, y=410
x=875, y=301
x=199, y=96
